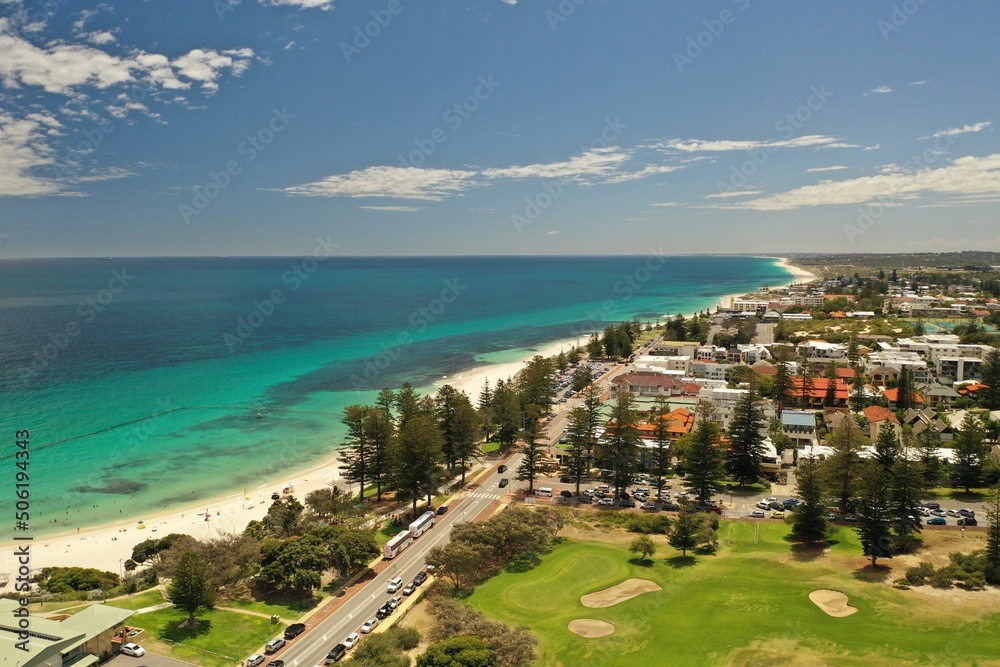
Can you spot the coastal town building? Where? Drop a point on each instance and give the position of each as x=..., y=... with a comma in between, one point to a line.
x=877, y=417
x=83, y=639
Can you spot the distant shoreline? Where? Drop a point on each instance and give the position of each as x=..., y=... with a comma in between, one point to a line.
x=102, y=545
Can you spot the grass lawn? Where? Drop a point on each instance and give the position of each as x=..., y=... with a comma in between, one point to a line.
x=139, y=600
x=287, y=610
x=223, y=637
x=491, y=447
x=746, y=605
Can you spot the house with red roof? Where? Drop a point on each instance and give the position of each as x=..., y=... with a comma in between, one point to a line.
x=817, y=394
x=892, y=397
x=877, y=417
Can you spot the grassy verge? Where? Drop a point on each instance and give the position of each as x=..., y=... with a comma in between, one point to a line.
x=747, y=605
x=219, y=639
x=139, y=601
x=287, y=610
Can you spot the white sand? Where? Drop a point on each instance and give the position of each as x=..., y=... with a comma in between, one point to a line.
x=799, y=274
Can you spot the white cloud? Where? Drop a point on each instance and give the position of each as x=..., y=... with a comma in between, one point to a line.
x=882, y=90
x=735, y=193
x=965, y=129
x=23, y=149
x=702, y=145
x=963, y=176
x=648, y=170
x=62, y=68
x=102, y=37
x=398, y=209
x=596, y=166
x=918, y=83
x=836, y=167
x=325, y=5
x=595, y=162
x=552, y=232
x=390, y=182
x=666, y=204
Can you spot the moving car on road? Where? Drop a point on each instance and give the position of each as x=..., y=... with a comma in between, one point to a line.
x=395, y=584
x=937, y=521
x=503, y=482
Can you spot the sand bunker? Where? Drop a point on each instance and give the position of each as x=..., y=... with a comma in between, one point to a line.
x=591, y=627
x=833, y=603
x=624, y=591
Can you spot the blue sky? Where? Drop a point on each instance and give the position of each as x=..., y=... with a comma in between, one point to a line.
x=497, y=127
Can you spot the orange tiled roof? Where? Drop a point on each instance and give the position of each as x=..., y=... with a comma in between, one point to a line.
x=876, y=413
x=892, y=395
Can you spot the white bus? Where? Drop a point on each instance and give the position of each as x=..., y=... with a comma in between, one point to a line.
x=543, y=492
x=424, y=523
x=393, y=547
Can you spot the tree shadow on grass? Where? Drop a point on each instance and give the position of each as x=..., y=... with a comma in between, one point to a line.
x=179, y=631
x=807, y=553
x=874, y=575
x=641, y=562
x=680, y=562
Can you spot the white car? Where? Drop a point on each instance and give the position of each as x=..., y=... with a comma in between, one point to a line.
x=607, y=502
x=756, y=514
x=133, y=650
x=764, y=504
x=395, y=584
x=395, y=601
x=352, y=640
x=369, y=625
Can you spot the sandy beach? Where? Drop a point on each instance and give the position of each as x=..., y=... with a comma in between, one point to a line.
x=108, y=546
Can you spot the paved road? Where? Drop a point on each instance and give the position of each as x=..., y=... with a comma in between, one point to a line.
x=311, y=648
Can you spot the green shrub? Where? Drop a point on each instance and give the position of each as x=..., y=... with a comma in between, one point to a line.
x=648, y=524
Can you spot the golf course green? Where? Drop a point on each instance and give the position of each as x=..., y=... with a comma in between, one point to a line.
x=748, y=604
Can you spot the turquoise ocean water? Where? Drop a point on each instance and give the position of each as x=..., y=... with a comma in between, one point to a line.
x=140, y=380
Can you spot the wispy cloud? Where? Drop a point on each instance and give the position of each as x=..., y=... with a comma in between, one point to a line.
x=965, y=176
x=599, y=166
x=397, y=209
x=883, y=90
x=965, y=129
x=391, y=183
x=734, y=193
x=720, y=145
x=666, y=204
x=836, y=167
x=325, y=5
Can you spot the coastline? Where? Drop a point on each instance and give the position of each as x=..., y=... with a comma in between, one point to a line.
x=102, y=545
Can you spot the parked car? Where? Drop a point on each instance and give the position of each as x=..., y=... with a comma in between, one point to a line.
x=953, y=513
x=831, y=517
x=937, y=521
x=409, y=588
x=382, y=612
x=566, y=479
x=394, y=584
x=647, y=506
x=932, y=506
x=923, y=511
x=585, y=500
x=851, y=517
x=606, y=502
x=503, y=482
x=294, y=630
x=626, y=502
x=565, y=493
x=778, y=507
x=757, y=514
x=589, y=493
x=352, y=640
x=777, y=514
x=134, y=650
x=395, y=601
x=443, y=509
x=671, y=507
x=966, y=512
x=276, y=663
x=369, y=625
x=968, y=521
x=336, y=653
x=255, y=659
x=502, y=469
x=764, y=504
x=938, y=512
x=420, y=578
x=274, y=645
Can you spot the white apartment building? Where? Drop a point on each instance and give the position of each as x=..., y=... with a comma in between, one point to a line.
x=724, y=401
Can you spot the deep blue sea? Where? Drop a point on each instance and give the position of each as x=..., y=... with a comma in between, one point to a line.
x=140, y=380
